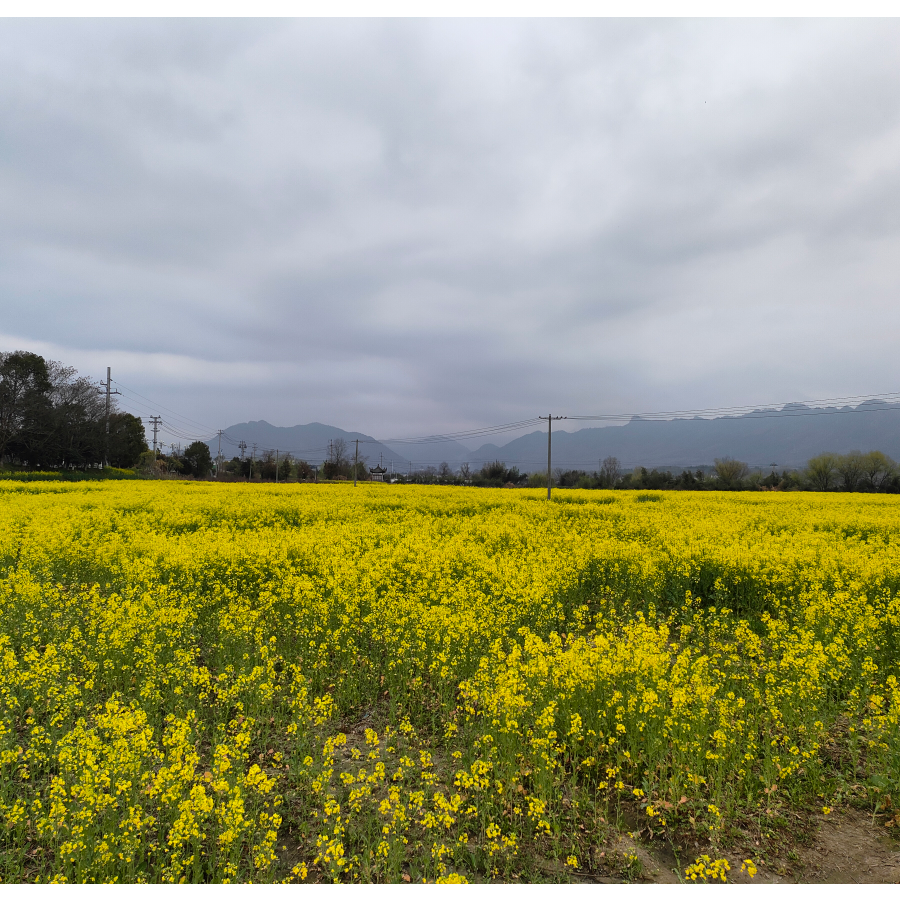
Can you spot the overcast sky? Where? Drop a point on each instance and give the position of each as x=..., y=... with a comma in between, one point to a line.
x=405, y=227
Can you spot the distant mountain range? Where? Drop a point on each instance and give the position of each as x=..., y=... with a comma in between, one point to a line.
x=309, y=442
x=787, y=437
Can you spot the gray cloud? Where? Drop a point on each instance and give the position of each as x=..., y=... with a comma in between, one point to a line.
x=410, y=226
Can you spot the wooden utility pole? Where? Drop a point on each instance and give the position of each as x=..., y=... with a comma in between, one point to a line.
x=550, y=419
x=276, y=465
x=355, y=462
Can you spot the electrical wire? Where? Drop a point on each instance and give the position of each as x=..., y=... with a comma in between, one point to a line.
x=759, y=410
x=183, y=427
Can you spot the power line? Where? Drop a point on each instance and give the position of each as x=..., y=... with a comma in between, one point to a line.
x=764, y=410
x=160, y=406
x=460, y=435
x=182, y=427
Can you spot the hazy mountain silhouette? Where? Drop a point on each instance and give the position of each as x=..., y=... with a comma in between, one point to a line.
x=788, y=436
x=309, y=442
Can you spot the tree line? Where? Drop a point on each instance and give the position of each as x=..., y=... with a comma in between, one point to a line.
x=854, y=471
x=53, y=418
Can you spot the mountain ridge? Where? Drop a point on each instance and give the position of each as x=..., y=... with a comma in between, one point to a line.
x=786, y=437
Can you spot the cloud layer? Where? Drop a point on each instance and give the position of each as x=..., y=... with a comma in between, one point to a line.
x=417, y=226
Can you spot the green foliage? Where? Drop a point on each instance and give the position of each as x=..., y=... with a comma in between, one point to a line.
x=196, y=460
x=821, y=472
x=126, y=440
x=731, y=472
x=50, y=418
x=852, y=471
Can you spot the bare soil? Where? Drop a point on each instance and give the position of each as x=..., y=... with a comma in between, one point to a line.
x=845, y=847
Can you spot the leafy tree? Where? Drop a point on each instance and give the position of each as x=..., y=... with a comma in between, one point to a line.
x=304, y=470
x=850, y=469
x=495, y=474
x=196, y=460
x=127, y=442
x=821, y=471
x=25, y=403
x=361, y=468
x=878, y=470
x=78, y=434
x=146, y=463
x=285, y=467
x=731, y=472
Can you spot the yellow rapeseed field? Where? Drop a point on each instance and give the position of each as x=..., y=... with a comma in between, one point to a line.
x=207, y=682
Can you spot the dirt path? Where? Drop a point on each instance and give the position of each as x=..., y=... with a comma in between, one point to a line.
x=847, y=848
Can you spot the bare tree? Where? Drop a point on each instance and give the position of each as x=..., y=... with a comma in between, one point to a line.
x=610, y=472
x=465, y=472
x=337, y=453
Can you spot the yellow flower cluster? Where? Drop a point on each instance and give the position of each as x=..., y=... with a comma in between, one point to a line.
x=203, y=682
x=706, y=869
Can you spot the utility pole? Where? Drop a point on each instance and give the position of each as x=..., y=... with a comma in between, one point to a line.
x=156, y=422
x=106, y=442
x=219, y=457
x=252, y=454
x=106, y=387
x=550, y=419
x=355, y=462
x=276, y=465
